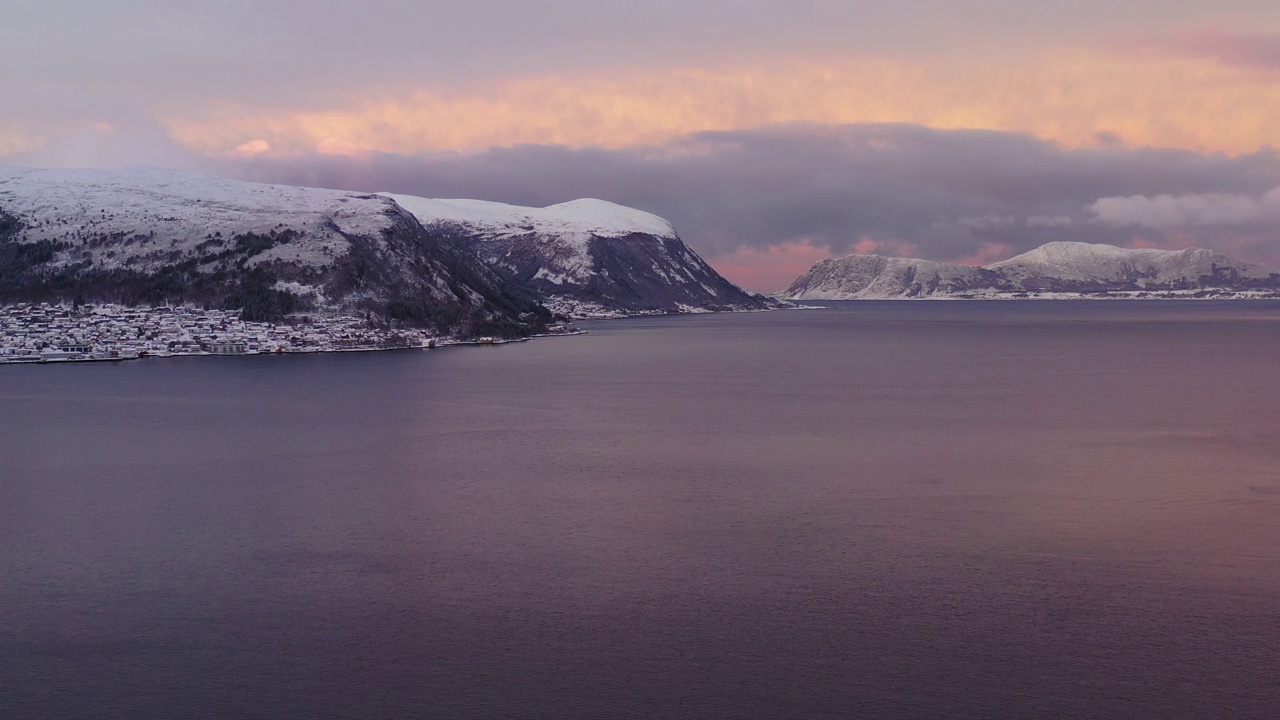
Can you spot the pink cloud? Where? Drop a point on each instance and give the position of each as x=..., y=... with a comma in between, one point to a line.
x=773, y=268
x=891, y=248
x=252, y=148
x=769, y=269
x=989, y=253
x=337, y=145
x=1172, y=93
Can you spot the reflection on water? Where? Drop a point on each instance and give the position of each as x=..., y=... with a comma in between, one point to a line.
x=880, y=510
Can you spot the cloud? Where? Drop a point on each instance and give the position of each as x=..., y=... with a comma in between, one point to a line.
x=749, y=198
x=336, y=145
x=1049, y=221
x=252, y=147
x=1079, y=98
x=215, y=96
x=403, y=77
x=990, y=221
x=298, y=50
x=772, y=268
x=1181, y=211
x=987, y=254
x=50, y=125
x=103, y=143
x=1250, y=50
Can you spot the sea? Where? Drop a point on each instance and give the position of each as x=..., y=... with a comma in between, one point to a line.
x=874, y=510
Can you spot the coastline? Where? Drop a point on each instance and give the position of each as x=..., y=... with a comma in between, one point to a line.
x=302, y=351
x=55, y=334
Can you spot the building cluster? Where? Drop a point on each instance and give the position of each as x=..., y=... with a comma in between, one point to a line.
x=53, y=333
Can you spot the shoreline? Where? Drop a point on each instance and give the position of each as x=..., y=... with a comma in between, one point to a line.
x=307, y=351
x=46, y=334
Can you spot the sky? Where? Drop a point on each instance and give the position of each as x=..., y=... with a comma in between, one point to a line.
x=772, y=134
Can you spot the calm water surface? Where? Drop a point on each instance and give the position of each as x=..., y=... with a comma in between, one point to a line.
x=902, y=510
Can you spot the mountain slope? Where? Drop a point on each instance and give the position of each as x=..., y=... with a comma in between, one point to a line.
x=143, y=235
x=1058, y=268
x=586, y=257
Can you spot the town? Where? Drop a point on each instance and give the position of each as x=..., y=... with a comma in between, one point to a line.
x=33, y=333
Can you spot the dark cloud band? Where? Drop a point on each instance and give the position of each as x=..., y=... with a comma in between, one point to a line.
x=946, y=194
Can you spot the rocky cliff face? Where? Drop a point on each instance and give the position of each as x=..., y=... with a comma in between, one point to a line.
x=1050, y=270
x=587, y=257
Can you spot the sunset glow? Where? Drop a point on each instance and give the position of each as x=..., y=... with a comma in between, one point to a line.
x=1070, y=97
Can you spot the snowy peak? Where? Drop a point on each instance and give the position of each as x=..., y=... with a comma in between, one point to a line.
x=577, y=218
x=1071, y=256
x=1058, y=268
x=605, y=219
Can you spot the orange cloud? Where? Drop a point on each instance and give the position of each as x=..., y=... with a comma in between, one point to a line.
x=253, y=147
x=14, y=140
x=337, y=145
x=1144, y=96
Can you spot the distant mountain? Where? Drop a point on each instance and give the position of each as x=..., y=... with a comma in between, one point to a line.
x=875, y=276
x=1082, y=267
x=586, y=257
x=1052, y=270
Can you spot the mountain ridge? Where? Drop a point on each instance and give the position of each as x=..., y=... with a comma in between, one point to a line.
x=1053, y=269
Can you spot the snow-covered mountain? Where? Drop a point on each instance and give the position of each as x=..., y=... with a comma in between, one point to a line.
x=875, y=276
x=143, y=235
x=1054, y=269
x=586, y=257
x=1084, y=267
